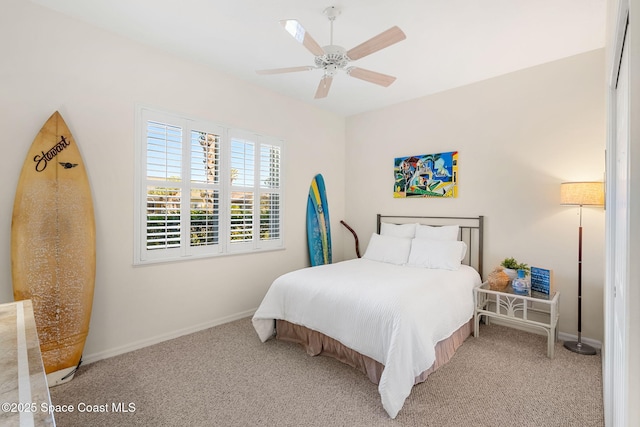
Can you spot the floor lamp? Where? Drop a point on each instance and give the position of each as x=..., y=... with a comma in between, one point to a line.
x=581, y=194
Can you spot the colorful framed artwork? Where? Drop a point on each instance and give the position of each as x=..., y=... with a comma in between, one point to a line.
x=426, y=175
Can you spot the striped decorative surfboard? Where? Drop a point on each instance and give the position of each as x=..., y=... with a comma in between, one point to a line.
x=318, y=224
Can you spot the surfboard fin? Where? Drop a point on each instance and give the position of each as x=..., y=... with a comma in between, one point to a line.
x=70, y=374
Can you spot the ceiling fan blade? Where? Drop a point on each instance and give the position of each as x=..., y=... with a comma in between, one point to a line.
x=323, y=87
x=298, y=32
x=371, y=76
x=285, y=70
x=382, y=40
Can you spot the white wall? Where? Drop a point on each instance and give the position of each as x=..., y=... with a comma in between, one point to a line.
x=50, y=62
x=518, y=137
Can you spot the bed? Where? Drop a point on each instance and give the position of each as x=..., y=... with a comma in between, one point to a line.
x=397, y=313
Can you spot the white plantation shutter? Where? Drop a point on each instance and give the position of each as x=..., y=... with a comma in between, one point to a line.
x=255, y=196
x=242, y=162
x=164, y=151
x=241, y=217
x=242, y=194
x=270, y=156
x=163, y=218
x=163, y=198
x=205, y=189
x=204, y=220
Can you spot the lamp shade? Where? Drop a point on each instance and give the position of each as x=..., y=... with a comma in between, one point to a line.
x=582, y=193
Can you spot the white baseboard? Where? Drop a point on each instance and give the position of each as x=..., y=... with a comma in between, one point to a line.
x=562, y=336
x=94, y=357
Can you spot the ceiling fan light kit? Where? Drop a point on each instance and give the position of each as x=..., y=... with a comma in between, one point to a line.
x=332, y=58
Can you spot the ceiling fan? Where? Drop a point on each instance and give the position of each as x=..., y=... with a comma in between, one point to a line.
x=332, y=58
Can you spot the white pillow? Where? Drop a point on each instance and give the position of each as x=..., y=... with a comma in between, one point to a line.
x=391, y=249
x=398, y=230
x=444, y=232
x=441, y=254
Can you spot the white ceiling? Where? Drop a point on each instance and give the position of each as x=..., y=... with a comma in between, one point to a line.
x=449, y=43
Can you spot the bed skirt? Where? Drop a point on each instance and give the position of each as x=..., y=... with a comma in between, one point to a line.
x=316, y=343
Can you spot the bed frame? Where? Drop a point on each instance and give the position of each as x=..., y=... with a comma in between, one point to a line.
x=471, y=232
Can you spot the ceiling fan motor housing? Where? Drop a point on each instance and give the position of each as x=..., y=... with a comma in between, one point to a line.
x=335, y=57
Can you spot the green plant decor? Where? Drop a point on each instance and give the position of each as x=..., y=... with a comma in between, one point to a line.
x=513, y=264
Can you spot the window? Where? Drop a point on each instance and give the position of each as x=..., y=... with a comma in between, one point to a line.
x=204, y=189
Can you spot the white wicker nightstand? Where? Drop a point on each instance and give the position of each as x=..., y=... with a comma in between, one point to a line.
x=531, y=310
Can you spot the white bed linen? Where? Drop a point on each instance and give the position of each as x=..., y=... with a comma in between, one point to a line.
x=394, y=314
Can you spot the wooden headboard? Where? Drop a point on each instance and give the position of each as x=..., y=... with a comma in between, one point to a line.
x=471, y=232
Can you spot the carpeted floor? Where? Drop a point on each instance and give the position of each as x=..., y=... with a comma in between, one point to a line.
x=225, y=376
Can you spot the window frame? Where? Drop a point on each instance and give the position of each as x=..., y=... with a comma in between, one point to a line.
x=224, y=245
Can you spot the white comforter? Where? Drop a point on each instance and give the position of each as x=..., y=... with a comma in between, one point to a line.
x=394, y=314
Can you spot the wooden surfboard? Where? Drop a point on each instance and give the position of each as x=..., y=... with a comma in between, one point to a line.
x=53, y=255
x=318, y=227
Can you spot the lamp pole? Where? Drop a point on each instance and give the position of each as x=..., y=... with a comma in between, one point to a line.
x=579, y=346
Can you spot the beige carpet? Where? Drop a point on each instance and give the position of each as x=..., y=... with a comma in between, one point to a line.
x=225, y=376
